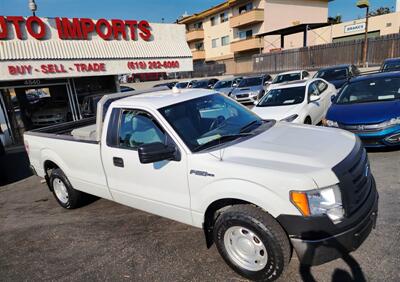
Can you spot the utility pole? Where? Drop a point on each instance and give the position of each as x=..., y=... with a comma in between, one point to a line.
x=365, y=4
x=32, y=6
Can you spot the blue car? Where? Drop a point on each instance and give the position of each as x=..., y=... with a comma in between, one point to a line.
x=369, y=106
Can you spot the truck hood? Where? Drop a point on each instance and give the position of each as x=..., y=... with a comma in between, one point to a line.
x=295, y=149
x=364, y=113
x=277, y=113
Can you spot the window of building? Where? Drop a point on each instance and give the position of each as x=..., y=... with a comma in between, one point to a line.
x=223, y=17
x=225, y=40
x=245, y=8
x=213, y=21
x=198, y=25
x=214, y=43
x=199, y=46
x=246, y=34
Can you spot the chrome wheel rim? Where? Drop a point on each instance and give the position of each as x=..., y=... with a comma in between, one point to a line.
x=60, y=190
x=245, y=248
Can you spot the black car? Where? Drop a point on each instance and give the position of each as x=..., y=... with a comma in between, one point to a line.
x=205, y=83
x=170, y=85
x=338, y=75
x=391, y=65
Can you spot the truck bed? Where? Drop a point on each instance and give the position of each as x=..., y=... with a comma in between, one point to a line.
x=79, y=131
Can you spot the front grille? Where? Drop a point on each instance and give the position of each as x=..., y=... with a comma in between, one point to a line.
x=355, y=178
x=242, y=96
x=363, y=128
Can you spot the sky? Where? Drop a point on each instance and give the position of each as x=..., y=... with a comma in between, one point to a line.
x=151, y=10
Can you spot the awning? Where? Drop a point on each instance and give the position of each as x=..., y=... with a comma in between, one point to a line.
x=51, y=56
x=293, y=30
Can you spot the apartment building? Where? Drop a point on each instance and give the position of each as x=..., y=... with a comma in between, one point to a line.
x=226, y=32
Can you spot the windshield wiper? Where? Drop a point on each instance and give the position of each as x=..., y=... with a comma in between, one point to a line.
x=247, y=126
x=220, y=140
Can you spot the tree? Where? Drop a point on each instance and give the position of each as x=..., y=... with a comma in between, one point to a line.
x=335, y=20
x=380, y=11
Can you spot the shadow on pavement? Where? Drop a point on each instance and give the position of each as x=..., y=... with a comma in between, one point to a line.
x=338, y=275
x=14, y=167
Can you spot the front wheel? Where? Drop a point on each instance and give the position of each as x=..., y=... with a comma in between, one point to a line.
x=252, y=243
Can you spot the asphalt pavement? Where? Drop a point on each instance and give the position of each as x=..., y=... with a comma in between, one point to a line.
x=105, y=241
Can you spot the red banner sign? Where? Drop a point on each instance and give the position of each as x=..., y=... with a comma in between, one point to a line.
x=76, y=28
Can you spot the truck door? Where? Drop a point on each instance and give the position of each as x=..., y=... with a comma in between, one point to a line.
x=160, y=188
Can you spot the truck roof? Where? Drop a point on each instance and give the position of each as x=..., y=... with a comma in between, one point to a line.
x=160, y=99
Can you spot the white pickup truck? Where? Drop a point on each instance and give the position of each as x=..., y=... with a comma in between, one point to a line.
x=258, y=188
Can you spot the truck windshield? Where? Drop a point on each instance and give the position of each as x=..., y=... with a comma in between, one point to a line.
x=210, y=121
x=371, y=90
x=283, y=97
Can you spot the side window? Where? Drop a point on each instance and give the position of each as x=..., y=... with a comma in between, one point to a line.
x=313, y=89
x=305, y=74
x=137, y=128
x=322, y=86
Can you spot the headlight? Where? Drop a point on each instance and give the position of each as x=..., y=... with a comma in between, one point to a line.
x=290, y=118
x=393, y=121
x=326, y=201
x=330, y=123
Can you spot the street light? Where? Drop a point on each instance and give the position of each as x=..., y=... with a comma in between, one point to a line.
x=32, y=6
x=365, y=4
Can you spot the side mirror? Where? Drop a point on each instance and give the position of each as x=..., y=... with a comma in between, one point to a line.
x=314, y=98
x=156, y=152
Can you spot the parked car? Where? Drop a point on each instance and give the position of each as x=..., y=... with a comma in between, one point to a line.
x=257, y=188
x=150, y=76
x=226, y=86
x=297, y=101
x=369, y=106
x=289, y=76
x=126, y=88
x=185, y=84
x=170, y=85
x=205, y=83
x=250, y=88
x=51, y=112
x=338, y=75
x=391, y=65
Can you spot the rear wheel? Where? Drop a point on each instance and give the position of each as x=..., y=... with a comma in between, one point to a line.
x=307, y=120
x=252, y=243
x=66, y=196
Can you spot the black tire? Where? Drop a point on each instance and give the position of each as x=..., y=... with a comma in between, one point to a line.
x=308, y=120
x=75, y=198
x=136, y=80
x=266, y=228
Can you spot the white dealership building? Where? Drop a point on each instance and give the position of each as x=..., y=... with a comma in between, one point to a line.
x=49, y=65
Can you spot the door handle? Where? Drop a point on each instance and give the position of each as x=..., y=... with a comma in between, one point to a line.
x=119, y=162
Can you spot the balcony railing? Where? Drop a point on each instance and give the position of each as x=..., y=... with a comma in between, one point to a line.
x=250, y=43
x=251, y=17
x=199, y=54
x=194, y=35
